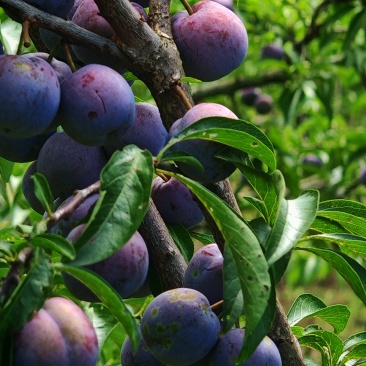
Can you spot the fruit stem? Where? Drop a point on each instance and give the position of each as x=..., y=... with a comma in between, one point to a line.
x=217, y=304
x=70, y=61
x=25, y=34
x=66, y=210
x=187, y=6
x=179, y=90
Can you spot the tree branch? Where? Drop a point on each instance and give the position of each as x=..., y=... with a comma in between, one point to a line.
x=230, y=86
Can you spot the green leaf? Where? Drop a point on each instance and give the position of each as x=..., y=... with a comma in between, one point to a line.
x=357, y=22
x=187, y=79
x=270, y=189
x=6, y=250
x=354, y=340
x=293, y=220
x=347, y=267
x=108, y=296
x=251, y=266
x=202, y=238
x=43, y=192
x=233, y=294
x=183, y=240
x=6, y=168
x=182, y=156
x=289, y=103
x=10, y=34
x=357, y=353
x=28, y=296
x=125, y=186
x=56, y=243
x=355, y=244
x=238, y=134
x=325, y=92
x=307, y=306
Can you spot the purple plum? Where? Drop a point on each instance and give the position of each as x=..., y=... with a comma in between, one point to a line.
x=125, y=270
x=30, y=96
x=68, y=165
x=143, y=356
x=97, y=105
x=62, y=69
x=179, y=327
x=312, y=159
x=272, y=51
x=59, y=334
x=23, y=150
x=227, y=350
x=263, y=104
x=175, y=203
x=146, y=132
x=204, y=151
x=249, y=95
x=205, y=273
x=212, y=42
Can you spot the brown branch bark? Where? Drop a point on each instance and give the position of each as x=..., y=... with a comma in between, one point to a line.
x=164, y=254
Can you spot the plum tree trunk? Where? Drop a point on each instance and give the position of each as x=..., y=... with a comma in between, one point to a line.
x=150, y=53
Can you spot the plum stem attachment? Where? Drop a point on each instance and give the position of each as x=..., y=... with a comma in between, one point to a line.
x=25, y=34
x=69, y=58
x=217, y=304
x=187, y=6
x=79, y=197
x=182, y=95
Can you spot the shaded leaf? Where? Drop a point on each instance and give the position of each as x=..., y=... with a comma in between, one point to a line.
x=43, y=192
x=56, y=243
x=183, y=240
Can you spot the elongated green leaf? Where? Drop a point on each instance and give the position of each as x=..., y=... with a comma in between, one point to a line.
x=233, y=294
x=238, y=134
x=270, y=189
x=56, y=243
x=335, y=346
x=329, y=226
x=341, y=205
x=355, y=339
x=126, y=185
x=43, y=192
x=315, y=341
x=308, y=305
x=355, y=244
x=347, y=267
x=183, y=240
x=355, y=25
x=28, y=296
x=354, y=224
x=249, y=259
x=293, y=220
x=202, y=238
x=108, y=296
x=182, y=156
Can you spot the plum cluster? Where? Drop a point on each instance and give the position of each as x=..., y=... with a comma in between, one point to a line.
x=263, y=103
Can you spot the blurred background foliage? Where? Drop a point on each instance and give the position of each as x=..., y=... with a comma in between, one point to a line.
x=319, y=107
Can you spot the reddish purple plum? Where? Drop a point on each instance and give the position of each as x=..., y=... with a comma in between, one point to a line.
x=125, y=270
x=175, y=203
x=68, y=165
x=179, y=327
x=97, y=105
x=212, y=42
x=30, y=96
x=59, y=334
x=215, y=169
x=205, y=273
x=227, y=351
x=59, y=8
x=146, y=132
